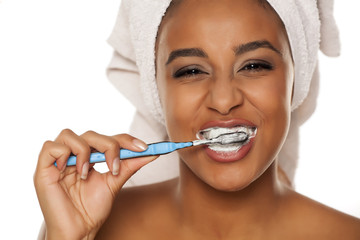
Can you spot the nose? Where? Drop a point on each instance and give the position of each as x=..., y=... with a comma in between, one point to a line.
x=224, y=96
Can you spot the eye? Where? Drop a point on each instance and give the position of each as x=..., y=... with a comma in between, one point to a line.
x=188, y=72
x=257, y=67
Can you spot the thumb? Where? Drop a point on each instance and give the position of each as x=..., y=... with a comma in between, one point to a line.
x=124, y=169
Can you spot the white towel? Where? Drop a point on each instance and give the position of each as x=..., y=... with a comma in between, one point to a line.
x=310, y=26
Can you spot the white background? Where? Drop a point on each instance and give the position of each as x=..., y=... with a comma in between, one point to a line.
x=53, y=56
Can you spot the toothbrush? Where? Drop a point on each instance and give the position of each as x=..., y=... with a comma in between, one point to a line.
x=162, y=148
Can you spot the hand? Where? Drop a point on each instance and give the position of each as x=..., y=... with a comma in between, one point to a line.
x=77, y=200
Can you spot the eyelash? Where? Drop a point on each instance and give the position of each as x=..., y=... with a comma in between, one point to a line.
x=257, y=67
x=251, y=67
x=187, y=72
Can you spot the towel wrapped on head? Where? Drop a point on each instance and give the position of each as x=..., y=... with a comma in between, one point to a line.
x=310, y=26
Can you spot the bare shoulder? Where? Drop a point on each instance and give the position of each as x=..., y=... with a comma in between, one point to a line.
x=314, y=219
x=142, y=207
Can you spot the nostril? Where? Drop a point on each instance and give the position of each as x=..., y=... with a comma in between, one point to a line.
x=225, y=110
x=226, y=98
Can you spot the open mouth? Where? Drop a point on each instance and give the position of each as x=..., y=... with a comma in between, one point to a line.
x=232, y=139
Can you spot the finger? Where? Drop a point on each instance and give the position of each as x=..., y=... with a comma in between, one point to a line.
x=79, y=147
x=129, y=142
x=127, y=168
x=110, y=146
x=105, y=144
x=51, y=152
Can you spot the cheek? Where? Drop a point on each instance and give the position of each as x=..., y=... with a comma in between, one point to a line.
x=273, y=103
x=182, y=104
x=271, y=96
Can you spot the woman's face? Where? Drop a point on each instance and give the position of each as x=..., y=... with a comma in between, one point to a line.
x=225, y=64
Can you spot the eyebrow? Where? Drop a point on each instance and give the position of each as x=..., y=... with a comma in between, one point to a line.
x=251, y=46
x=186, y=52
x=238, y=50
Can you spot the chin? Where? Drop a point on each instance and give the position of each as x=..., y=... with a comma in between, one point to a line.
x=230, y=183
x=230, y=188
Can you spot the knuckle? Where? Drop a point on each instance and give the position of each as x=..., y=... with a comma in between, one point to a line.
x=123, y=136
x=47, y=144
x=66, y=132
x=35, y=180
x=112, y=144
x=88, y=133
x=84, y=149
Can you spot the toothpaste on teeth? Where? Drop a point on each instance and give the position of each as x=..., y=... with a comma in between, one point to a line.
x=232, y=139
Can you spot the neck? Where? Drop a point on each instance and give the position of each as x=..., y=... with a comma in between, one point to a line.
x=207, y=209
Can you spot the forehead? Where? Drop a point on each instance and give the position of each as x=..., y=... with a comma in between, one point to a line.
x=193, y=22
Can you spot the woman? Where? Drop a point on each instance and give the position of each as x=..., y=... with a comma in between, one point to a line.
x=219, y=64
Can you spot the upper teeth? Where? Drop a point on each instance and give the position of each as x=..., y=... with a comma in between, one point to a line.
x=215, y=132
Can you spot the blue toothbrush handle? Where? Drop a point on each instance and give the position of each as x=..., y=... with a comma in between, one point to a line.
x=152, y=150
x=155, y=149
x=94, y=158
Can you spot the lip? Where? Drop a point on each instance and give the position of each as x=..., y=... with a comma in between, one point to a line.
x=227, y=157
x=228, y=123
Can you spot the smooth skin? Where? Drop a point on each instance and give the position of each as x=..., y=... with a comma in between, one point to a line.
x=220, y=80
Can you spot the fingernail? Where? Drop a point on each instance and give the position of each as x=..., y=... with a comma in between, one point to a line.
x=85, y=171
x=116, y=166
x=140, y=144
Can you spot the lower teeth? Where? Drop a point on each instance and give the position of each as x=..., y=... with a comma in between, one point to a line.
x=227, y=147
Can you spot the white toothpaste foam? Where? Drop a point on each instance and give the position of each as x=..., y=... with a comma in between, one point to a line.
x=215, y=132
x=226, y=148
